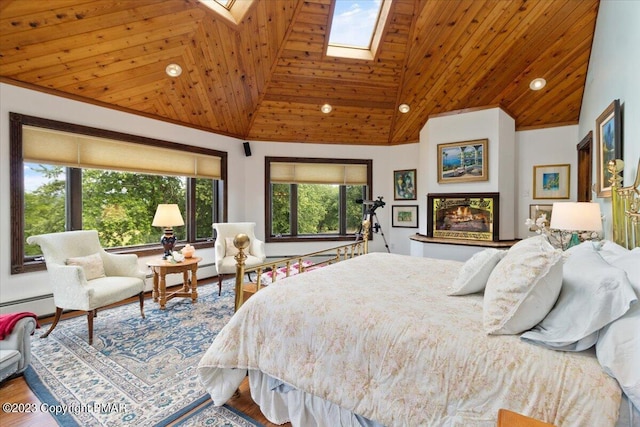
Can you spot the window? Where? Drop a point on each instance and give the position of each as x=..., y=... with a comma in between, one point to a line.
x=225, y=3
x=357, y=27
x=69, y=177
x=232, y=11
x=315, y=199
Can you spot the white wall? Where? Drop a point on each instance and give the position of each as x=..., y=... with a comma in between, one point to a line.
x=613, y=74
x=492, y=124
x=245, y=175
x=538, y=148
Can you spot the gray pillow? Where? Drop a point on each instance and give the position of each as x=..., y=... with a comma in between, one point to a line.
x=593, y=294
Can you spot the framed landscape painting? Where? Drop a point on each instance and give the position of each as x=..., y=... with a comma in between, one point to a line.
x=463, y=161
x=551, y=181
x=609, y=145
x=404, y=216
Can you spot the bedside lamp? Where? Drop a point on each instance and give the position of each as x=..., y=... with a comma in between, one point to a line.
x=575, y=217
x=167, y=216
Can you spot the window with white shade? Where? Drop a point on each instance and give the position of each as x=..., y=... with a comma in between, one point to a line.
x=315, y=199
x=70, y=177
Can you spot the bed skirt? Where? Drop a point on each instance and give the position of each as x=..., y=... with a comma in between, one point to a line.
x=281, y=403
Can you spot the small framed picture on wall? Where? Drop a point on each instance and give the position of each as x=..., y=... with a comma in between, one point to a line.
x=404, y=216
x=551, y=181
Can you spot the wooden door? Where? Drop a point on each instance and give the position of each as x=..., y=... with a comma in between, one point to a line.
x=584, y=168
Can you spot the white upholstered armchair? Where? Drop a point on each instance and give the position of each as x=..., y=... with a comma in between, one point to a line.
x=225, y=250
x=85, y=277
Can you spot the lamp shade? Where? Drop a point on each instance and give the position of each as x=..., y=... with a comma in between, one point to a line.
x=167, y=215
x=576, y=216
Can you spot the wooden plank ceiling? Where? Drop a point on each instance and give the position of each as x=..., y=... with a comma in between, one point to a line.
x=265, y=78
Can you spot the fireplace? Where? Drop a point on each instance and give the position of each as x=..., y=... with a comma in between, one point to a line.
x=465, y=216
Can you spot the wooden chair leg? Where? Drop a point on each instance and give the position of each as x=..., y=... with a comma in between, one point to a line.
x=141, y=297
x=90, y=315
x=219, y=284
x=55, y=322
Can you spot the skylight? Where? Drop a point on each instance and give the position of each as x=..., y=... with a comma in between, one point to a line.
x=233, y=11
x=225, y=3
x=356, y=28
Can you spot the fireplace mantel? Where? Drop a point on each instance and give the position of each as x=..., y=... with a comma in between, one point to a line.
x=500, y=244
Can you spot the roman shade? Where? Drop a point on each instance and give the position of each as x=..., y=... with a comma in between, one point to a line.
x=318, y=173
x=41, y=145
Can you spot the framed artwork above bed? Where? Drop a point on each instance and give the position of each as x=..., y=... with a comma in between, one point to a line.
x=466, y=216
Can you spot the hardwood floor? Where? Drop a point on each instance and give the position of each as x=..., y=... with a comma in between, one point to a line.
x=16, y=390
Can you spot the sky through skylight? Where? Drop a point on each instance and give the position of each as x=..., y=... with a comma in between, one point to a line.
x=354, y=22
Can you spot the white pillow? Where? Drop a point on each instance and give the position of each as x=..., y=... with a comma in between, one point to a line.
x=618, y=346
x=91, y=264
x=523, y=287
x=231, y=249
x=594, y=294
x=475, y=272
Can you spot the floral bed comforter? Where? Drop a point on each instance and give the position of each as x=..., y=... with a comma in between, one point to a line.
x=378, y=335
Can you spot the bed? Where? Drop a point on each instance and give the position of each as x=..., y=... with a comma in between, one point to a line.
x=392, y=340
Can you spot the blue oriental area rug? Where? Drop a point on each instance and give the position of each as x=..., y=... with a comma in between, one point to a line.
x=139, y=372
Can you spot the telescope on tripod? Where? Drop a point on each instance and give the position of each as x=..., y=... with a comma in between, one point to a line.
x=370, y=214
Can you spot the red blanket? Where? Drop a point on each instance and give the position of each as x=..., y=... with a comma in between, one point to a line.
x=8, y=321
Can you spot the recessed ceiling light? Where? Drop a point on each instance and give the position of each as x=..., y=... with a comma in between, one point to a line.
x=326, y=108
x=404, y=108
x=173, y=70
x=537, y=84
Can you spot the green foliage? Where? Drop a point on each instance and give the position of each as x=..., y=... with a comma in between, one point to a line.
x=280, y=211
x=204, y=207
x=120, y=205
x=318, y=209
x=354, y=210
x=44, y=207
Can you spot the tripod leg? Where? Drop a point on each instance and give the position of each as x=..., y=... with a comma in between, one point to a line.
x=379, y=227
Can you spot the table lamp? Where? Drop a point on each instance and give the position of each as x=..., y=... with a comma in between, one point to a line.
x=574, y=217
x=167, y=216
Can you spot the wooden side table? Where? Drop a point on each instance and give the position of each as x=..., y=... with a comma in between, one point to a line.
x=161, y=268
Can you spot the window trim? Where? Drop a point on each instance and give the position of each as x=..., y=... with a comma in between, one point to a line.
x=269, y=238
x=16, y=182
